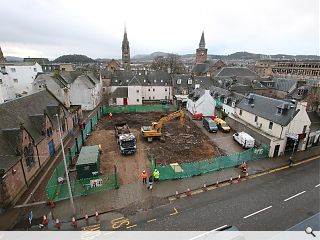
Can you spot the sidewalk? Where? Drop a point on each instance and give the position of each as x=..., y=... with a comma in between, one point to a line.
x=135, y=193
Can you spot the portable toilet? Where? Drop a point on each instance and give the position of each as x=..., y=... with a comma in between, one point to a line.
x=88, y=164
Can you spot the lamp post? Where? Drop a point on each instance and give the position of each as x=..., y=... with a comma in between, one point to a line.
x=65, y=168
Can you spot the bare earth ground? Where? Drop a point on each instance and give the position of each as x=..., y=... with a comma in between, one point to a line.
x=182, y=144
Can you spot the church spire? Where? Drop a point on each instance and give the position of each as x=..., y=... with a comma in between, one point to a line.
x=125, y=51
x=202, y=43
x=2, y=59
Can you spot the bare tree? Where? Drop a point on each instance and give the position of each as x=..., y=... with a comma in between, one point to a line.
x=172, y=62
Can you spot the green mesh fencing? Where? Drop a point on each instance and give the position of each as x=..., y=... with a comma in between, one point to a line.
x=82, y=187
x=138, y=108
x=187, y=170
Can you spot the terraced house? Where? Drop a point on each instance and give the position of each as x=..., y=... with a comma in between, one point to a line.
x=29, y=137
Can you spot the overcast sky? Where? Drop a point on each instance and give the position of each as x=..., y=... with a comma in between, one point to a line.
x=50, y=28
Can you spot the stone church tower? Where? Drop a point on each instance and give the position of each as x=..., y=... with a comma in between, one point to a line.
x=2, y=59
x=201, y=54
x=125, y=51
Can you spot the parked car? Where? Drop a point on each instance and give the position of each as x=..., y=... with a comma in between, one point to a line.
x=222, y=124
x=210, y=125
x=244, y=139
x=197, y=116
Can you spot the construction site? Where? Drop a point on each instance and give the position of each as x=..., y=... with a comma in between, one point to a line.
x=178, y=144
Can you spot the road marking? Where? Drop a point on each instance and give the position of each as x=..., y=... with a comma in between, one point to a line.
x=95, y=227
x=206, y=233
x=118, y=222
x=175, y=212
x=317, y=186
x=257, y=212
x=294, y=196
x=152, y=220
x=132, y=226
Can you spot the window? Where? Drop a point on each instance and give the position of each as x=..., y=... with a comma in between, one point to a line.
x=270, y=125
x=137, y=90
x=279, y=111
x=154, y=90
x=142, y=98
x=161, y=80
x=240, y=112
x=155, y=80
x=179, y=81
x=165, y=89
x=149, y=89
x=104, y=89
x=28, y=155
x=127, y=80
x=137, y=99
x=15, y=80
x=149, y=98
x=166, y=97
x=13, y=70
x=189, y=81
x=153, y=97
x=34, y=69
x=256, y=119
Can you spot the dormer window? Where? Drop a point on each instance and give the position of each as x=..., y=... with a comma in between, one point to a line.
x=189, y=81
x=161, y=80
x=300, y=92
x=116, y=80
x=155, y=80
x=144, y=80
x=279, y=111
x=127, y=80
x=179, y=81
x=233, y=104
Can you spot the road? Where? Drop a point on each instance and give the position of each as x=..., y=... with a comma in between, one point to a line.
x=272, y=202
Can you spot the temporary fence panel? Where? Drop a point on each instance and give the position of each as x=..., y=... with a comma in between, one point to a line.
x=187, y=170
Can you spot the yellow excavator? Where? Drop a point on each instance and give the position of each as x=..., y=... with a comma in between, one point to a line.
x=153, y=131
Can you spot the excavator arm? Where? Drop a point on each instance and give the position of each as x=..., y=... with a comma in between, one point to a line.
x=169, y=117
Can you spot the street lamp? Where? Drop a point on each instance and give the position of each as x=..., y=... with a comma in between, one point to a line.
x=65, y=168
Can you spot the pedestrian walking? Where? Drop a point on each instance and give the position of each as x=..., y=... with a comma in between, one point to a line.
x=156, y=175
x=110, y=116
x=290, y=162
x=150, y=182
x=144, y=177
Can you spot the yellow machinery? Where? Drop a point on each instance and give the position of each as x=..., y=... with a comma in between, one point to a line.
x=154, y=130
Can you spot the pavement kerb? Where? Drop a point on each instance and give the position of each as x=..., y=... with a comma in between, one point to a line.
x=226, y=182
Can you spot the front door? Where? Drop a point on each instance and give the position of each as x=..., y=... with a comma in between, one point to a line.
x=276, y=150
x=125, y=101
x=51, y=148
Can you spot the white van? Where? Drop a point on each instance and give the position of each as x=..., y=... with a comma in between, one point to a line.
x=244, y=139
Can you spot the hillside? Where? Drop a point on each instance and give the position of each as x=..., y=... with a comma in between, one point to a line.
x=74, y=58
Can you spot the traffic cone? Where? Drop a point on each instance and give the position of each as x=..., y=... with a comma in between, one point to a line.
x=58, y=225
x=74, y=222
x=204, y=188
x=45, y=220
x=217, y=184
x=239, y=178
x=230, y=180
x=188, y=192
x=87, y=219
x=247, y=175
x=97, y=216
x=177, y=195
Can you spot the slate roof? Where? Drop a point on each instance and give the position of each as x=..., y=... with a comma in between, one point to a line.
x=315, y=121
x=120, y=92
x=8, y=150
x=18, y=111
x=146, y=78
x=196, y=94
x=204, y=82
x=201, y=68
x=267, y=108
x=236, y=71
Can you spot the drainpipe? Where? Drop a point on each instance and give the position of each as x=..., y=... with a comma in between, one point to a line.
x=38, y=157
x=24, y=174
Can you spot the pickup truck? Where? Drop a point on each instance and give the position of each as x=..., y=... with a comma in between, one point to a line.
x=125, y=139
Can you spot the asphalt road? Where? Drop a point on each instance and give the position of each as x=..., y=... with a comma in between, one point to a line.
x=273, y=202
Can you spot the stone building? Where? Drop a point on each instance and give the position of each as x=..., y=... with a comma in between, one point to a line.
x=308, y=69
x=2, y=59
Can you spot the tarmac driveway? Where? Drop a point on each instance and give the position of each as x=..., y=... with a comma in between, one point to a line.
x=224, y=141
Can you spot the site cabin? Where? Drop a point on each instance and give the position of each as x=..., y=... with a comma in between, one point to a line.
x=88, y=164
x=125, y=139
